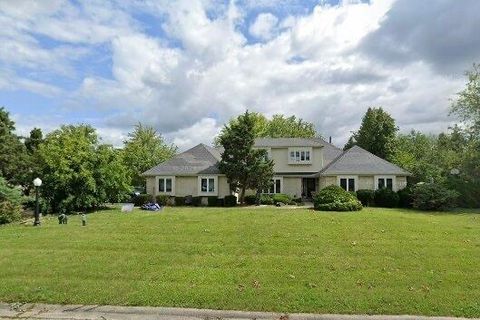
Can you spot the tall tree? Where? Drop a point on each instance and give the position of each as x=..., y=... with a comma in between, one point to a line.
x=144, y=149
x=78, y=173
x=377, y=133
x=277, y=127
x=244, y=167
x=14, y=160
x=34, y=140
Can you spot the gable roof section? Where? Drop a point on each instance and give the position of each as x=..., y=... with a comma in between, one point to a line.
x=200, y=159
x=288, y=142
x=359, y=161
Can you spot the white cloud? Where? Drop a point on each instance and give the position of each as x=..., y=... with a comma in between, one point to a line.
x=308, y=65
x=264, y=26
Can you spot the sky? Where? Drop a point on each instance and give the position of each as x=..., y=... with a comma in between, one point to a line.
x=185, y=67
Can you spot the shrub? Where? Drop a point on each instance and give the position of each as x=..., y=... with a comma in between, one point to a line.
x=212, y=201
x=431, y=196
x=251, y=199
x=179, y=201
x=196, y=201
x=141, y=199
x=386, y=198
x=281, y=197
x=405, y=197
x=10, y=203
x=220, y=202
x=366, y=197
x=266, y=199
x=334, y=198
x=230, y=201
x=162, y=199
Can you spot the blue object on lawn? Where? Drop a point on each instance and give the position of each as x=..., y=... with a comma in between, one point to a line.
x=152, y=207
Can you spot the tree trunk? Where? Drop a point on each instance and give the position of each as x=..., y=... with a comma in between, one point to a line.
x=242, y=196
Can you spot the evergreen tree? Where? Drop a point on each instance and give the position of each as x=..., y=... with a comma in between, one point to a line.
x=34, y=140
x=245, y=167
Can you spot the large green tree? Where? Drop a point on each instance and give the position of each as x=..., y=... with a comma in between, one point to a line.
x=376, y=134
x=34, y=140
x=78, y=173
x=244, y=166
x=278, y=126
x=14, y=160
x=144, y=149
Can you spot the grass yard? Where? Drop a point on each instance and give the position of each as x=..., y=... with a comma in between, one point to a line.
x=377, y=261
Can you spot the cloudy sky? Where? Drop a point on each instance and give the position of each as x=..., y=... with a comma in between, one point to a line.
x=185, y=67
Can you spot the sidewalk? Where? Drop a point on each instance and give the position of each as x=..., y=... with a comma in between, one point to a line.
x=85, y=312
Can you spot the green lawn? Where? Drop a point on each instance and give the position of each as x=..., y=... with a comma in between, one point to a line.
x=376, y=261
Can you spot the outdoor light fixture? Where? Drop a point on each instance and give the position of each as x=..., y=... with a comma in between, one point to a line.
x=37, y=183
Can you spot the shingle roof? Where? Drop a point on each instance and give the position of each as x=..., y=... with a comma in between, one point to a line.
x=200, y=159
x=359, y=161
x=288, y=142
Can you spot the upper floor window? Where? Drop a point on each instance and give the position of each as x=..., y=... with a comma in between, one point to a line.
x=299, y=155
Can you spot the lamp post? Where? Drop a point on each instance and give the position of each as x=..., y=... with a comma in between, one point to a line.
x=37, y=183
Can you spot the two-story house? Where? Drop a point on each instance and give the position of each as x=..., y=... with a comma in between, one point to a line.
x=302, y=166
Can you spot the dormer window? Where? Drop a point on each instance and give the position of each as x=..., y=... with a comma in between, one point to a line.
x=300, y=155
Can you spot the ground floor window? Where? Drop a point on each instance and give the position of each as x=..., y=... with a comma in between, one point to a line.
x=207, y=185
x=385, y=183
x=276, y=186
x=165, y=185
x=348, y=183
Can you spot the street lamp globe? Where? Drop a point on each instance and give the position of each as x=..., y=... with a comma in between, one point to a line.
x=37, y=182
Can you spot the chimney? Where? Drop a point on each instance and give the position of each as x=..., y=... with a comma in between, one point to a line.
x=330, y=139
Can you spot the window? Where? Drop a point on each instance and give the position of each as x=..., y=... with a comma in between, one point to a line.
x=385, y=183
x=276, y=186
x=299, y=155
x=165, y=185
x=347, y=183
x=207, y=185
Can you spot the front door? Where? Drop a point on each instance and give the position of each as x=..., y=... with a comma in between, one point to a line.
x=308, y=187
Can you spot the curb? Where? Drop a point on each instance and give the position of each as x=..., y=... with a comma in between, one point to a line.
x=95, y=312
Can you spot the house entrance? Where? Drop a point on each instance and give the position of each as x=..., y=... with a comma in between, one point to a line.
x=308, y=187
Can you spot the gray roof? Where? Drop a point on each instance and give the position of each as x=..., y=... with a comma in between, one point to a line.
x=288, y=142
x=359, y=161
x=200, y=159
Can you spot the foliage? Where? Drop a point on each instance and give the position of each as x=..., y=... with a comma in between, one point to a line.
x=251, y=199
x=405, y=197
x=281, y=197
x=366, y=197
x=179, y=201
x=278, y=126
x=433, y=196
x=144, y=149
x=141, y=199
x=34, y=140
x=212, y=201
x=244, y=167
x=162, y=199
x=10, y=203
x=386, y=198
x=376, y=134
x=230, y=201
x=196, y=201
x=78, y=173
x=334, y=198
x=266, y=199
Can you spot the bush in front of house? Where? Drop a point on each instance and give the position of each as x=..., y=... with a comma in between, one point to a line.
x=266, y=199
x=432, y=196
x=10, y=203
x=334, y=198
x=230, y=201
x=386, y=198
x=162, y=199
x=251, y=199
x=405, y=197
x=141, y=199
x=179, y=201
x=212, y=201
x=196, y=201
x=366, y=197
x=281, y=197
